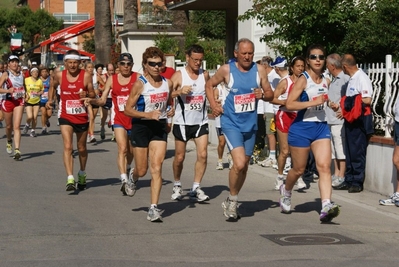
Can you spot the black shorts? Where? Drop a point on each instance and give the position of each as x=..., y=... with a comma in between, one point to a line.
x=31, y=105
x=145, y=131
x=43, y=105
x=108, y=104
x=187, y=132
x=77, y=128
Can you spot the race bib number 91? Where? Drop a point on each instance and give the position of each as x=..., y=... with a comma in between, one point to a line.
x=244, y=103
x=75, y=107
x=194, y=103
x=157, y=101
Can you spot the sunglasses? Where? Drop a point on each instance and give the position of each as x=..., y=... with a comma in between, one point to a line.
x=314, y=57
x=123, y=63
x=153, y=64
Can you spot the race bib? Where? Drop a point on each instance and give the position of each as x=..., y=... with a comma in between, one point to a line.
x=319, y=107
x=121, y=102
x=18, y=93
x=75, y=107
x=157, y=101
x=244, y=103
x=194, y=103
x=33, y=94
x=45, y=95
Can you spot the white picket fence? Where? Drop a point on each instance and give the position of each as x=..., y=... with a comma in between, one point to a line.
x=384, y=78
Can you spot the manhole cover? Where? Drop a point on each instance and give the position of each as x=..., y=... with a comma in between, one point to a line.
x=310, y=239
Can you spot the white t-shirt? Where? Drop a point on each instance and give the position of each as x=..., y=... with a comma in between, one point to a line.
x=273, y=79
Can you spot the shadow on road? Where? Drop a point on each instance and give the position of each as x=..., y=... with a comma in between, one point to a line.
x=36, y=154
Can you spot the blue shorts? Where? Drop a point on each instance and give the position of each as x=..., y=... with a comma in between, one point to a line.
x=121, y=126
x=396, y=133
x=235, y=138
x=303, y=134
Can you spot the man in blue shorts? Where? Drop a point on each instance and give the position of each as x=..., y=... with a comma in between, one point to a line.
x=246, y=82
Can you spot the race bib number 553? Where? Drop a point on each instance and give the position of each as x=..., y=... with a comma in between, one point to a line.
x=75, y=107
x=194, y=102
x=244, y=103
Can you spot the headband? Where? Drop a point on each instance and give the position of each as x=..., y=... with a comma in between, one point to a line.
x=77, y=57
x=32, y=69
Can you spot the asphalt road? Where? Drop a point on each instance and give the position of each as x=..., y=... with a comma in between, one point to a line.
x=43, y=225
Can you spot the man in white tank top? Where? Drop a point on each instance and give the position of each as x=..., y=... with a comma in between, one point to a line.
x=190, y=120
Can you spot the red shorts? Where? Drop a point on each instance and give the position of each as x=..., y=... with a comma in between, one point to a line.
x=284, y=120
x=8, y=105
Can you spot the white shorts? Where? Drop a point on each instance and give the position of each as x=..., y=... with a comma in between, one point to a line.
x=337, y=141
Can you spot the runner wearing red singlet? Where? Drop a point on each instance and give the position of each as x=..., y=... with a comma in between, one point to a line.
x=72, y=113
x=284, y=118
x=120, y=86
x=12, y=89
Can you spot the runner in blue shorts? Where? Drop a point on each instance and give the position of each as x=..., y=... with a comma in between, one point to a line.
x=246, y=82
x=310, y=131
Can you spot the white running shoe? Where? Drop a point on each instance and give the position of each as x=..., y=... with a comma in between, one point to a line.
x=154, y=214
x=130, y=188
x=219, y=165
x=177, y=193
x=198, y=195
x=230, y=209
x=390, y=201
x=285, y=201
x=269, y=162
x=301, y=184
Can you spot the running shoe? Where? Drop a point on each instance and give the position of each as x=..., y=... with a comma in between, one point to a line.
x=230, y=209
x=154, y=214
x=17, y=154
x=198, y=195
x=102, y=133
x=285, y=200
x=82, y=181
x=219, y=165
x=269, y=162
x=329, y=212
x=177, y=193
x=130, y=188
x=113, y=139
x=44, y=131
x=25, y=129
x=337, y=182
x=123, y=187
x=93, y=140
x=287, y=168
x=301, y=185
x=48, y=123
x=391, y=200
x=33, y=134
x=70, y=186
x=9, y=147
x=279, y=181
x=230, y=160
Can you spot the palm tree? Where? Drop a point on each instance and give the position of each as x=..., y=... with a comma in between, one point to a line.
x=103, y=26
x=130, y=17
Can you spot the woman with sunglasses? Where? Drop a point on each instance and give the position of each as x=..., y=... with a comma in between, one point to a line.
x=309, y=131
x=147, y=105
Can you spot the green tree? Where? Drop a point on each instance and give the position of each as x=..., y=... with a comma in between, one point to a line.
x=375, y=33
x=211, y=23
x=34, y=26
x=300, y=23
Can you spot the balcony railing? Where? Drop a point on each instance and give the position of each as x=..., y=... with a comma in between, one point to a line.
x=70, y=17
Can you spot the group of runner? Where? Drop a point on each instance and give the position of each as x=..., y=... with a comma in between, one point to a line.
x=142, y=105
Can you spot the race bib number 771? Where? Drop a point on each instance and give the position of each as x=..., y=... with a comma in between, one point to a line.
x=244, y=103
